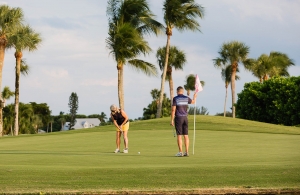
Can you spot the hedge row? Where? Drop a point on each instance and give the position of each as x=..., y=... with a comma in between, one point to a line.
x=276, y=101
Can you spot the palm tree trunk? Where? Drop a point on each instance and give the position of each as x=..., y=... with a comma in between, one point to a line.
x=188, y=92
x=11, y=130
x=171, y=86
x=162, y=87
x=3, y=42
x=234, y=68
x=265, y=77
x=225, y=101
x=120, y=86
x=18, y=56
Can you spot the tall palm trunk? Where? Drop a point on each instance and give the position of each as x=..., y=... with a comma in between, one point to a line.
x=234, y=68
x=226, y=86
x=188, y=92
x=18, y=56
x=120, y=86
x=11, y=130
x=3, y=42
x=171, y=84
x=162, y=86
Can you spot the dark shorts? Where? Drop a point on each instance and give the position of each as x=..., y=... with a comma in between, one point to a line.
x=181, y=125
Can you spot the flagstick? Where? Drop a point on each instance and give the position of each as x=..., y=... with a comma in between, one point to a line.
x=194, y=127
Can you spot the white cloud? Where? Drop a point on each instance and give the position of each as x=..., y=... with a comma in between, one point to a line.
x=100, y=82
x=73, y=56
x=60, y=73
x=271, y=10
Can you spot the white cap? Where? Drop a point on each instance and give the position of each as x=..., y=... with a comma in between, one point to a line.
x=113, y=107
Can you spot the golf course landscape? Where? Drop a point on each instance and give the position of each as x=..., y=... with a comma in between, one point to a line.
x=231, y=156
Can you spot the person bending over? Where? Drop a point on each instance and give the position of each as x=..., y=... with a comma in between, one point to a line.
x=120, y=120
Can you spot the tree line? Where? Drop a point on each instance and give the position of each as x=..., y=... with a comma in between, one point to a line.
x=130, y=21
x=16, y=34
x=235, y=53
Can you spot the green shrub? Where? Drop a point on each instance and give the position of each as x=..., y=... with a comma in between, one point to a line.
x=276, y=101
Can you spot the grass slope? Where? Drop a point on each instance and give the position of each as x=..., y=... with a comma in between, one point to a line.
x=229, y=153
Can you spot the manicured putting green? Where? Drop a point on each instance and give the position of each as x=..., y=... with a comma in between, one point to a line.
x=229, y=153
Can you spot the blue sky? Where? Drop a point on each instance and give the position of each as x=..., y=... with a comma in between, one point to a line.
x=73, y=56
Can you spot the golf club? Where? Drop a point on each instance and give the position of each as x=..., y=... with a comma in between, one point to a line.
x=174, y=132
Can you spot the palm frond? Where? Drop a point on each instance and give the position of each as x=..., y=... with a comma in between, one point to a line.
x=177, y=58
x=145, y=67
x=10, y=20
x=227, y=72
x=25, y=69
x=124, y=42
x=25, y=38
x=232, y=52
x=7, y=93
x=274, y=64
x=182, y=14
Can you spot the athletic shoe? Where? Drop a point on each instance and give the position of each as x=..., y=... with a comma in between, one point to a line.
x=186, y=154
x=125, y=150
x=179, y=154
x=117, y=151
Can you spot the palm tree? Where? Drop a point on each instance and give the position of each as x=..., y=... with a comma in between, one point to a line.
x=26, y=115
x=24, y=69
x=24, y=39
x=36, y=122
x=190, y=83
x=6, y=95
x=275, y=64
x=129, y=21
x=102, y=117
x=50, y=120
x=226, y=76
x=10, y=19
x=182, y=15
x=233, y=53
x=62, y=120
x=177, y=60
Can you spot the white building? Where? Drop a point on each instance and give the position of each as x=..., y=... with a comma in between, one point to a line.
x=83, y=123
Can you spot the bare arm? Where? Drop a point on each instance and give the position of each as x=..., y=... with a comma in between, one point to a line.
x=194, y=98
x=115, y=122
x=125, y=116
x=173, y=115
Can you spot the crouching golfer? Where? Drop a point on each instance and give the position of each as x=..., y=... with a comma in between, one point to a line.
x=179, y=117
x=120, y=119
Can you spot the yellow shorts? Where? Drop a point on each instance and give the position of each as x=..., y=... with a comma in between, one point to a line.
x=124, y=127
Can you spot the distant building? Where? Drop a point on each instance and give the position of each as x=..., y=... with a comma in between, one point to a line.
x=41, y=131
x=83, y=123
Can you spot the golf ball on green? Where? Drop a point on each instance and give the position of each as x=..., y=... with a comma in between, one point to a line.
x=138, y=152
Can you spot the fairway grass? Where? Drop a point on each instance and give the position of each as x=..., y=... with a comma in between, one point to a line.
x=229, y=154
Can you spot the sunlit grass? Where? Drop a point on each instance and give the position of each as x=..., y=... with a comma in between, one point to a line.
x=229, y=153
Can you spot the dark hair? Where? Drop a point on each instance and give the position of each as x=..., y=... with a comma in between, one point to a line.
x=179, y=88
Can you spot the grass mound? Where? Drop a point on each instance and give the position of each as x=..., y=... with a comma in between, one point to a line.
x=229, y=154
